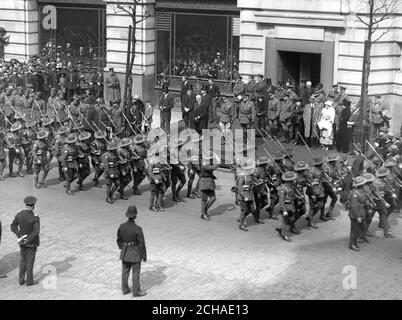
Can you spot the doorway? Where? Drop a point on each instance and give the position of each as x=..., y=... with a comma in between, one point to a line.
x=299, y=66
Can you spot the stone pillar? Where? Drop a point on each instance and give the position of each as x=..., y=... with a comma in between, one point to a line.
x=20, y=19
x=117, y=22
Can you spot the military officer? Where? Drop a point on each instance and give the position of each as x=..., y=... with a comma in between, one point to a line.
x=193, y=170
x=40, y=151
x=26, y=226
x=302, y=182
x=131, y=242
x=69, y=161
x=332, y=183
x=285, y=114
x=261, y=190
x=261, y=109
x=207, y=183
x=227, y=115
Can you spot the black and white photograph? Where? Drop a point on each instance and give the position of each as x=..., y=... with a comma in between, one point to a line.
x=200, y=150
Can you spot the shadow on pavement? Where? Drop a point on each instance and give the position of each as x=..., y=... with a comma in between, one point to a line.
x=9, y=262
x=221, y=209
x=60, y=266
x=153, y=278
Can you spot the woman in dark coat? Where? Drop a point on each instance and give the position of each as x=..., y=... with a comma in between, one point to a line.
x=342, y=141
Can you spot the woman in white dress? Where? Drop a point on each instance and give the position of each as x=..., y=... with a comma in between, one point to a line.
x=326, y=125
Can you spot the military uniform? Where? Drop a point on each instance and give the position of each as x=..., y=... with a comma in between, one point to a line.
x=157, y=179
x=285, y=114
x=40, y=161
x=3, y=144
x=15, y=151
x=316, y=193
x=125, y=170
x=59, y=144
x=193, y=170
x=226, y=118
x=138, y=155
x=28, y=137
x=207, y=186
x=246, y=117
x=111, y=172
x=357, y=214
x=69, y=161
x=261, y=190
x=261, y=108
x=98, y=148
x=274, y=108
x=84, y=152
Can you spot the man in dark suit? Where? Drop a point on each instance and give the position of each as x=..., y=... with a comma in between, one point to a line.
x=131, y=242
x=200, y=115
x=73, y=83
x=26, y=226
x=2, y=275
x=214, y=94
x=185, y=86
x=187, y=107
x=165, y=106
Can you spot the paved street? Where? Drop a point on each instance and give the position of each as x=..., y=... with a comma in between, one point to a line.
x=189, y=258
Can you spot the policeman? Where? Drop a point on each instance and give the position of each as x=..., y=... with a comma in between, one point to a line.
x=84, y=152
x=98, y=148
x=286, y=203
x=139, y=153
x=26, y=226
x=384, y=191
x=15, y=152
x=28, y=136
x=357, y=213
x=59, y=143
x=124, y=165
x=40, y=150
x=178, y=171
x=207, y=183
x=261, y=190
x=111, y=173
x=69, y=161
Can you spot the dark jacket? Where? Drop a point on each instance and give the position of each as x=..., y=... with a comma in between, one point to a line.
x=73, y=80
x=27, y=223
x=166, y=103
x=131, y=242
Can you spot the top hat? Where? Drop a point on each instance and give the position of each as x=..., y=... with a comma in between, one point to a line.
x=359, y=181
x=301, y=165
x=30, y=200
x=131, y=212
x=289, y=176
x=84, y=136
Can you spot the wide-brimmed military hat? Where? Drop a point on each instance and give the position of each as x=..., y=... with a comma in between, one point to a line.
x=47, y=121
x=390, y=163
x=301, y=165
x=112, y=146
x=289, y=176
x=30, y=200
x=139, y=138
x=318, y=161
x=333, y=157
x=30, y=123
x=131, y=211
x=382, y=172
x=16, y=126
x=100, y=134
x=125, y=142
x=278, y=155
x=359, y=181
x=72, y=138
x=262, y=160
x=393, y=147
x=84, y=136
x=18, y=115
x=369, y=177
x=42, y=134
x=383, y=129
x=62, y=130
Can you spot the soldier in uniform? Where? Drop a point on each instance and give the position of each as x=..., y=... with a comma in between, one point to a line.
x=384, y=191
x=332, y=183
x=275, y=171
x=261, y=190
x=227, y=115
x=98, y=148
x=74, y=109
x=247, y=115
x=274, y=108
x=286, y=203
x=139, y=154
x=40, y=150
x=193, y=170
x=178, y=172
x=375, y=116
x=261, y=109
x=15, y=152
x=69, y=161
x=3, y=144
x=207, y=183
x=157, y=180
x=20, y=102
x=372, y=201
x=59, y=143
x=125, y=170
x=285, y=114
x=357, y=213
x=111, y=173
x=51, y=111
x=238, y=91
x=300, y=200
x=26, y=226
x=84, y=152
x=28, y=136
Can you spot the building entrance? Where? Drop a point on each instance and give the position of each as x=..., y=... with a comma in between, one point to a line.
x=298, y=66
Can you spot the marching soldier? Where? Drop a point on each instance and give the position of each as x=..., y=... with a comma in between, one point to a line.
x=384, y=191
x=157, y=179
x=98, y=148
x=139, y=154
x=111, y=173
x=15, y=152
x=300, y=200
x=193, y=170
x=261, y=190
x=178, y=172
x=207, y=183
x=40, y=150
x=357, y=213
x=275, y=171
x=124, y=165
x=59, y=143
x=227, y=115
x=28, y=136
x=286, y=204
x=247, y=115
x=332, y=183
x=285, y=114
x=3, y=145
x=69, y=161
x=84, y=152
x=371, y=206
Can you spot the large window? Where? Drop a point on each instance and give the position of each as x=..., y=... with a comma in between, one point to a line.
x=198, y=46
x=80, y=36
